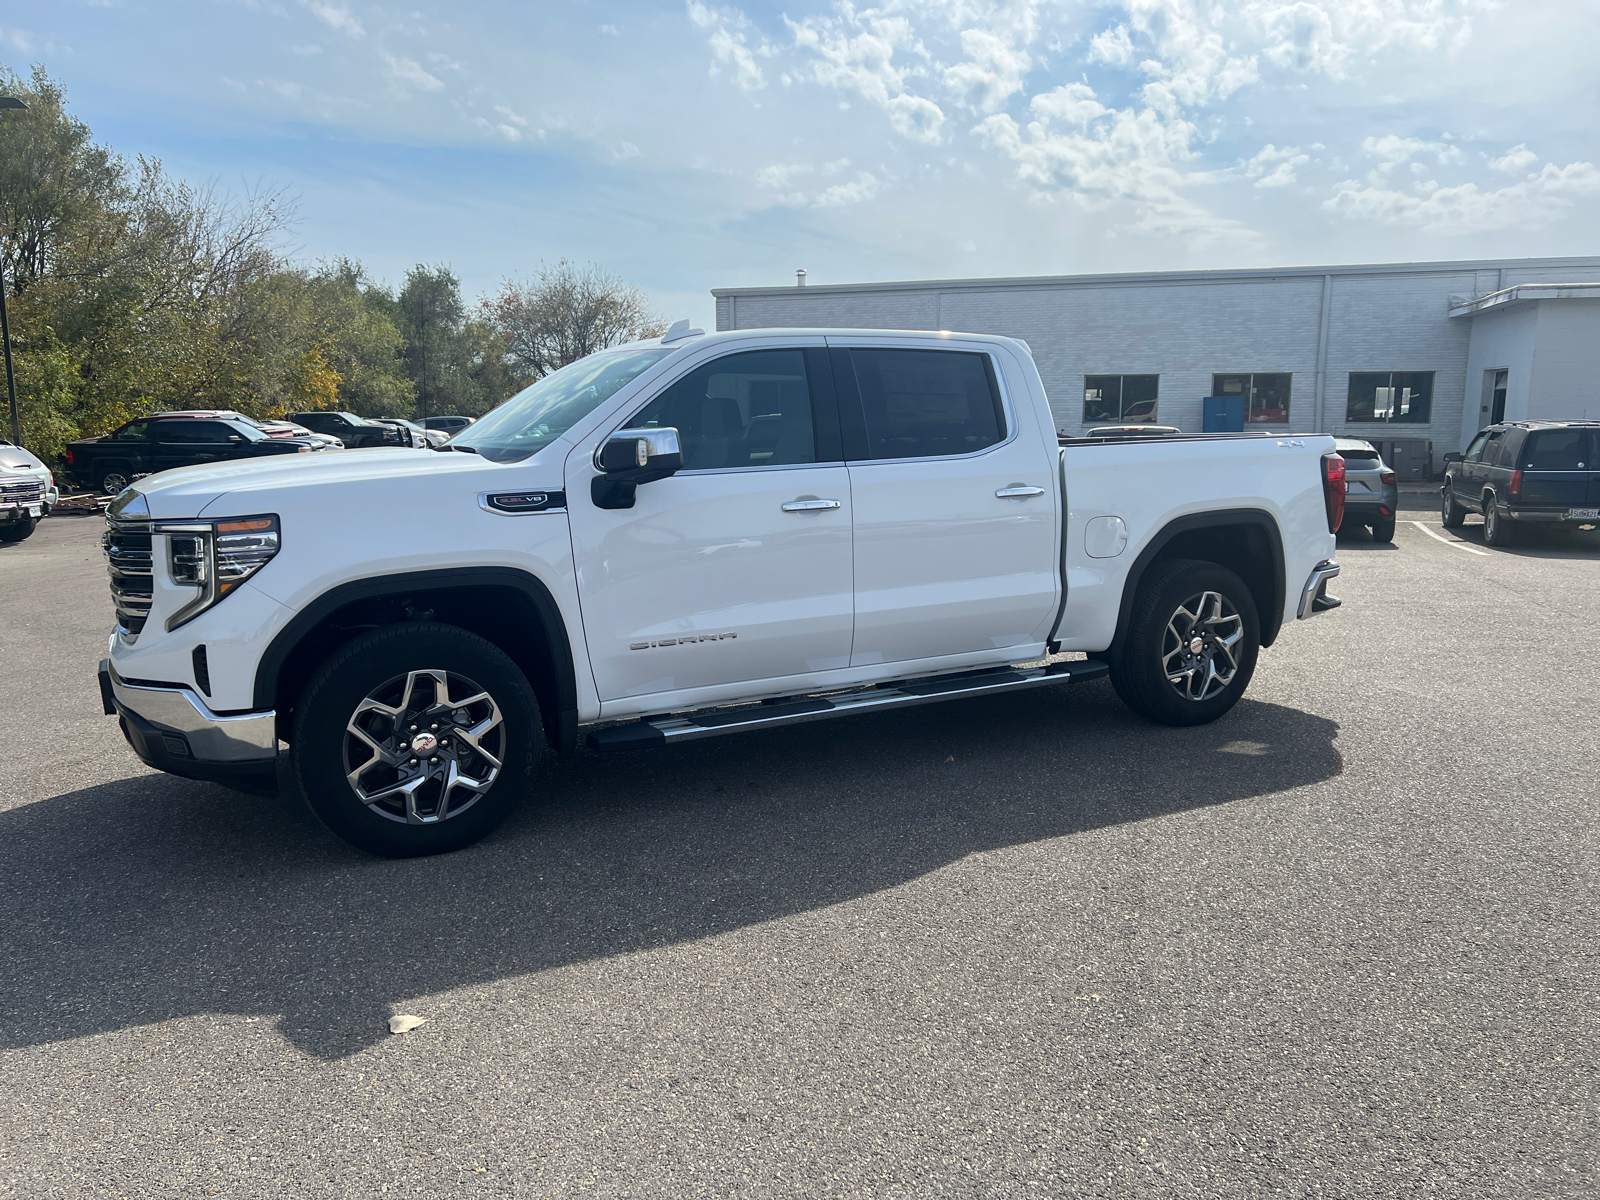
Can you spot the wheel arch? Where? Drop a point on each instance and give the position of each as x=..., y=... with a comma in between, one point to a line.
x=511, y=608
x=1248, y=541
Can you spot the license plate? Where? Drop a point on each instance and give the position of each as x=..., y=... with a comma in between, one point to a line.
x=33, y=510
x=1583, y=514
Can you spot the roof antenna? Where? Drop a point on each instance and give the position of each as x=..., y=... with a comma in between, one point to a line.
x=679, y=331
x=800, y=277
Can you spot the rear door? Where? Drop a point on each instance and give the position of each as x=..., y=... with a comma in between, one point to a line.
x=956, y=543
x=1555, y=469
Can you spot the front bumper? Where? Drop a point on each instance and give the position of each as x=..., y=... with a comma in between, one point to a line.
x=173, y=731
x=1314, y=596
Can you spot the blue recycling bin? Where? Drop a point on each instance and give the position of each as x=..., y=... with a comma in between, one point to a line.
x=1222, y=414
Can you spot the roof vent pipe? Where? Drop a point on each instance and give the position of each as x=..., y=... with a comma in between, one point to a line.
x=800, y=277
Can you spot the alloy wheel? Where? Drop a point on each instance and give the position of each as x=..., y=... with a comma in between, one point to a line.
x=1198, y=649
x=424, y=747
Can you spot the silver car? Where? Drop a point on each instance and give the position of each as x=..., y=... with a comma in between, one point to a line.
x=1372, y=493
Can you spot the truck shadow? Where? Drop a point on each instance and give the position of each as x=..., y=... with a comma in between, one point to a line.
x=152, y=898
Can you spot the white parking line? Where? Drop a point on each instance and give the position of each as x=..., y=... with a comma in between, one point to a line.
x=1449, y=541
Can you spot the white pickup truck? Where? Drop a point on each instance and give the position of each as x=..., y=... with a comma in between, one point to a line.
x=683, y=538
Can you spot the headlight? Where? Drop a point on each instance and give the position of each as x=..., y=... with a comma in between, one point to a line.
x=215, y=557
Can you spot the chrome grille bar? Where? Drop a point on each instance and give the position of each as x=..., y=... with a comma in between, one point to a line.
x=128, y=550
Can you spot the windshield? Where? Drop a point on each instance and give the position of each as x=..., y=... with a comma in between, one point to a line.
x=250, y=432
x=539, y=414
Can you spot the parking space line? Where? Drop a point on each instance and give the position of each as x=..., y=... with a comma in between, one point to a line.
x=1449, y=542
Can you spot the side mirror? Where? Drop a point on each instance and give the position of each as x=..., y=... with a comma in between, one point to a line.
x=1451, y=457
x=630, y=457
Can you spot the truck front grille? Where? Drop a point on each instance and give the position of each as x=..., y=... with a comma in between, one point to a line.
x=21, y=491
x=127, y=546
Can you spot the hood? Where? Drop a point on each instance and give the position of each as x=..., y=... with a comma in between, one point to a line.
x=15, y=458
x=270, y=481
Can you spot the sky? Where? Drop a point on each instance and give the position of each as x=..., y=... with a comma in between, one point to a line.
x=689, y=145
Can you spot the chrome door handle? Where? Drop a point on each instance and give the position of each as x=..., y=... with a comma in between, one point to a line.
x=810, y=505
x=1019, y=493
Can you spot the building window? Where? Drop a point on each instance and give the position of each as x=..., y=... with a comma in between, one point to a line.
x=1120, y=399
x=1266, y=397
x=1390, y=396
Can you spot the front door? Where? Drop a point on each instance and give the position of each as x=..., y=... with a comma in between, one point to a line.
x=738, y=568
x=956, y=543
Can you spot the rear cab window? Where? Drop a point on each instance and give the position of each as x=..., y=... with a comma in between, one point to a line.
x=1558, y=450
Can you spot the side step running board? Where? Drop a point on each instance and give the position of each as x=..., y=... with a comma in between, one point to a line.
x=686, y=727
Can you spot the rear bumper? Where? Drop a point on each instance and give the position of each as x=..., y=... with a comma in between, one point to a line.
x=1546, y=516
x=173, y=731
x=1314, y=596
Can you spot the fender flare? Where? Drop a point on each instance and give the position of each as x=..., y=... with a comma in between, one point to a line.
x=558, y=643
x=1271, y=621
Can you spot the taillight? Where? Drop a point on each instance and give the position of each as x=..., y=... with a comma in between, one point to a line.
x=71, y=462
x=1333, y=487
x=1386, y=476
x=1516, y=483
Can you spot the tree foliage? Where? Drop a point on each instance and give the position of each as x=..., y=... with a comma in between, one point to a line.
x=564, y=313
x=132, y=291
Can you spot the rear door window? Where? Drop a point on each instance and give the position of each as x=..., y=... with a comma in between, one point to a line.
x=927, y=403
x=1558, y=450
x=1361, y=460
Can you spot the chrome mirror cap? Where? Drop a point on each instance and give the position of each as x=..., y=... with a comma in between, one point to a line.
x=129, y=505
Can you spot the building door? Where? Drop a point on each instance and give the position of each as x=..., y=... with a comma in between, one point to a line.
x=956, y=543
x=738, y=568
x=1494, y=395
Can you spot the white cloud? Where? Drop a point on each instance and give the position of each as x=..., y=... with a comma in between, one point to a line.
x=336, y=16
x=994, y=70
x=1516, y=159
x=306, y=51
x=864, y=187
x=626, y=150
x=728, y=27
x=511, y=115
x=610, y=31
x=284, y=88
x=1111, y=46
x=409, y=72
x=1271, y=167
x=1535, y=201
x=1324, y=36
x=856, y=52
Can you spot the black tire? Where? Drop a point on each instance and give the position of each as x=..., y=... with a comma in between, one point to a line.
x=1383, y=529
x=1141, y=675
x=16, y=533
x=114, y=477
x=361, y=671
x=1496, y=530
x=1450, y=511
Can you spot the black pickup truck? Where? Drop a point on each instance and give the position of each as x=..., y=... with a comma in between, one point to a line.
x=149, y=444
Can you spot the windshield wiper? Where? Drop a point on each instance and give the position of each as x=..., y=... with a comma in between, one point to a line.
x=457, y=449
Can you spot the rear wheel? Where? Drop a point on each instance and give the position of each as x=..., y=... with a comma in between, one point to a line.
x=1383, y=529
x=1191, y=647
x=15, y=533
x=113, y=480
x=416, y=739
x=1496, y=531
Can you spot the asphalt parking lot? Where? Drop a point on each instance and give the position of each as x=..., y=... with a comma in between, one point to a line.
x=1339, y=944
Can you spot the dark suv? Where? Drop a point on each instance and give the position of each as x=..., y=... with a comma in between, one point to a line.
x=352, y=430
x=1525, y=473
x=108, y=464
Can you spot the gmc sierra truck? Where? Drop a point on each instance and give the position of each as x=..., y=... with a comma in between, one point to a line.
x=686, y=538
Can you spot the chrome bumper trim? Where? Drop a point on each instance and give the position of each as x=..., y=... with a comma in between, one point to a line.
x=1320, y=574
x=245, y=737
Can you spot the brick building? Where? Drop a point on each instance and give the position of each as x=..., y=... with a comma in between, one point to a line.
x=1414, y=355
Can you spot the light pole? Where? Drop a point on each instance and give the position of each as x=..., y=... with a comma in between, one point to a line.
x=10, y=102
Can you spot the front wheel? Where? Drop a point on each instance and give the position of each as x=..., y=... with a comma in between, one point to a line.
x=1191, y=647
x=416, y=739
x=16, y=532
x=1450, y=512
